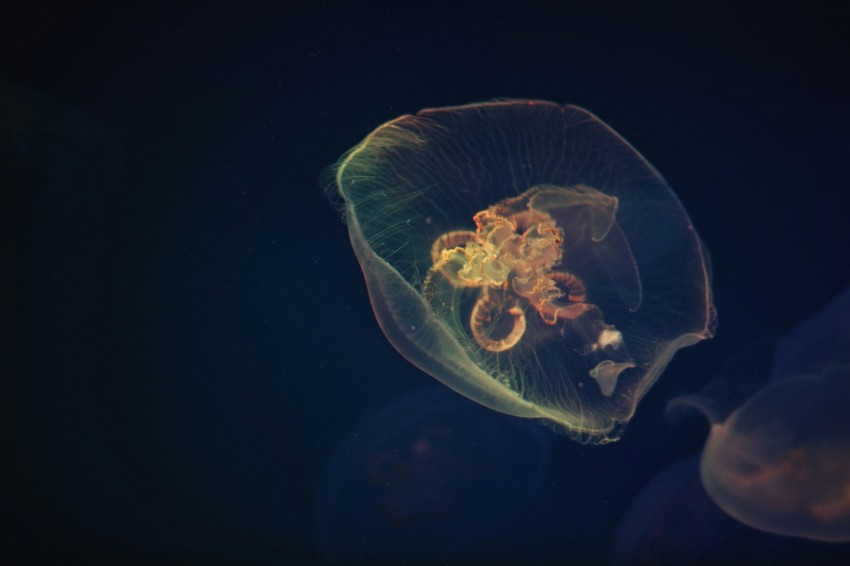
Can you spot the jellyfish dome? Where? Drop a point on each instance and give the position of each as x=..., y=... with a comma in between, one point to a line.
x=781, y=461
x=528, y=257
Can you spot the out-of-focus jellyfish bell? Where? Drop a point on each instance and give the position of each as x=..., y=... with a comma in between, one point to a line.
x=781, y=461
x=674, y=522
x=430, y=475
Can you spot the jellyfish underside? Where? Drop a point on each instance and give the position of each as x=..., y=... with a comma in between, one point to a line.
x=506, y=247
x=510, y=285
x=511, y=259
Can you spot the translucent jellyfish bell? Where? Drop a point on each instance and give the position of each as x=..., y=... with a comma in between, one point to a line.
x=428, y=472
x=781, y=461
x=526, y=256
x=673, y=521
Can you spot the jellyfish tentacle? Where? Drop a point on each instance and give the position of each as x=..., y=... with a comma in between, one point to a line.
x=446, y=249
x=483, y=314
x=449, y=240
x=577, y=293
x=439, y=268
x=428, y=284
x=551, y=311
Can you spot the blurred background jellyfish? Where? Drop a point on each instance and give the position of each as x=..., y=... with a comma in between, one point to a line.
x=524, y=254
x=781, y=461
x=674, y=521
x=429, y=475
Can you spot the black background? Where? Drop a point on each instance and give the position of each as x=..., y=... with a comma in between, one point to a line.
x=190, y=333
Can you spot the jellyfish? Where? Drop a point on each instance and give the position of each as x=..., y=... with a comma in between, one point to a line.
x=673, y=521
x=425, y=476
x=781, y=461
x=528, y=257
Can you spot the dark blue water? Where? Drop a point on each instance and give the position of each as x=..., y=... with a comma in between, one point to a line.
x=194, y=373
